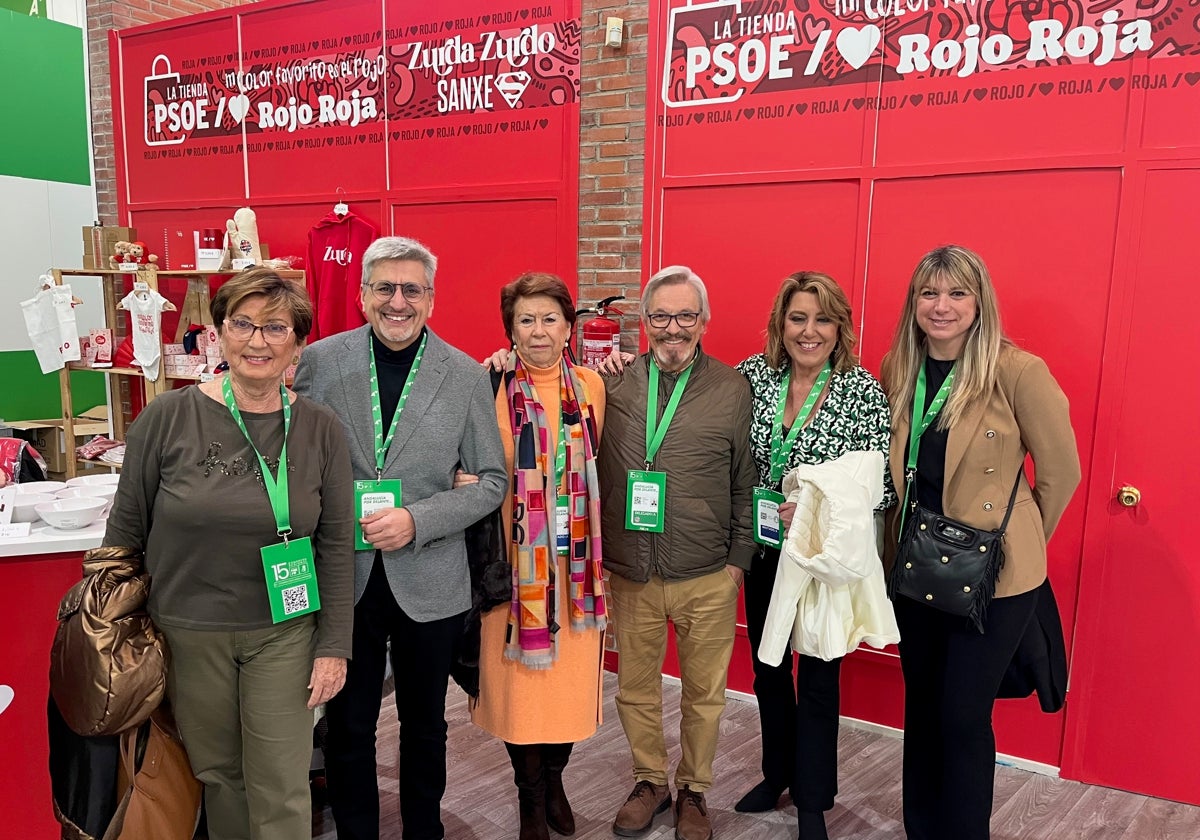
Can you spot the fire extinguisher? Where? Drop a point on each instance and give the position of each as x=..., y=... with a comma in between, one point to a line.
x=601, y=335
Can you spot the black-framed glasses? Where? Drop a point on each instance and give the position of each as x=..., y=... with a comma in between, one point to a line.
x=243, y=330
x=412, y=292
x=662, y=320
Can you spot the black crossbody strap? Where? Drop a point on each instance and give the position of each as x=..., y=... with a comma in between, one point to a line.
x=1012, y=500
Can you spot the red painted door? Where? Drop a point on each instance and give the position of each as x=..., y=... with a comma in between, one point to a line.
x=1132, y=712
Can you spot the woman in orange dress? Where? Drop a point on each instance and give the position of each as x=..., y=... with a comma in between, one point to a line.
x=540, y=660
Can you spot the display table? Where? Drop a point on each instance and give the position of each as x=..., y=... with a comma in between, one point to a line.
x=35, y=572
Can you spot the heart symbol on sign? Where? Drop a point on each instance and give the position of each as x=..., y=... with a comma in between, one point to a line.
x=524, y=13
x=6, y=697
x=270, y=145
x=429, y=132
x=238, y=107
x=1116, y=84
x=980, y=93
x=328, y=142
x=801, y=108
x=395, y=135
x=1192, y=78
x=283, y=48
x=543, y=123
x=916, y=98
x=504, y=126
x=857, y=45
x=1046, y=87
x=748, y=113
x=858, y=103
x=314, y=44
x=448, y=24
x=485, y=18
x=813, y=27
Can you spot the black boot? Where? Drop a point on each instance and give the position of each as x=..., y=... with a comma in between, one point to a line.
x=558, y=809
x=530, y=777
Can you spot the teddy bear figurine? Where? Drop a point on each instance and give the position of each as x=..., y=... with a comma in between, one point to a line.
x=137, y=254
x=120, y=254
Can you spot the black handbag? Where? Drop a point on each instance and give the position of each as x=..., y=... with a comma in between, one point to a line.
x=945, y=564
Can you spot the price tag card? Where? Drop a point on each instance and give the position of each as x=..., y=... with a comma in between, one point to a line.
x=127, y=266
x=369, y=497
x=7, y=496
x=645, y=492
x=767, y=529
x=239, y=265
x=562, y=525
x=15, y=529
x=141, y=286
x=291, y=579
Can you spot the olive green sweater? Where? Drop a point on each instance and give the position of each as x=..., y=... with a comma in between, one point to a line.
x=191, y=496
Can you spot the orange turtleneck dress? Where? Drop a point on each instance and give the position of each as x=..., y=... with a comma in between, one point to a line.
x=560, y=704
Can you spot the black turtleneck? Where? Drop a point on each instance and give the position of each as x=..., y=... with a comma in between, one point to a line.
x=931, y=459
x=392, y=367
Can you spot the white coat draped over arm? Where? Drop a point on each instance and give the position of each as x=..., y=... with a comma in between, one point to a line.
x=829, y=594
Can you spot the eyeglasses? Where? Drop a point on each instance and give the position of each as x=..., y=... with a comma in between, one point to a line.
x=412, y=292
x=662, y=320
x=243, y=330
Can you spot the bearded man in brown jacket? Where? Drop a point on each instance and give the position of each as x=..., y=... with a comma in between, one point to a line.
x=677, y=540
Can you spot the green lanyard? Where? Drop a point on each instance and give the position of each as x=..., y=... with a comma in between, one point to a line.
x=560, y=455
x=381, y=444
x=921, y=422
x=781, y=448
x=277, y=487
x=656, y=432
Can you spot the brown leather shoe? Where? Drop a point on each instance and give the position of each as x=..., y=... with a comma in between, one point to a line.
x=637, y=814
x=691, y=816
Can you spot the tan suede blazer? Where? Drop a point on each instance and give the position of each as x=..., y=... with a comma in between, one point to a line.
x=1026, y=413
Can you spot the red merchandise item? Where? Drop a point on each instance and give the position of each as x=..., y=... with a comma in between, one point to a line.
x=335, y=249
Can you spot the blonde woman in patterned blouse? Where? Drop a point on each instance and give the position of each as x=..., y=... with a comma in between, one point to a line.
x=810, y=366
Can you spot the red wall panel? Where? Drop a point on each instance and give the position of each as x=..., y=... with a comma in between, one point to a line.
x=1017, y=129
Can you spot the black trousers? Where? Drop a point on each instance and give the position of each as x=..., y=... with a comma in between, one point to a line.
x=799, y=723
x=421, y=656
x=951, y=676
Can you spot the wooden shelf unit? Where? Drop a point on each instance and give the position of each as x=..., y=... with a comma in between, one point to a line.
x=195, y=310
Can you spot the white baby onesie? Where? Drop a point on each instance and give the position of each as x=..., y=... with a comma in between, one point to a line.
x=145, y=309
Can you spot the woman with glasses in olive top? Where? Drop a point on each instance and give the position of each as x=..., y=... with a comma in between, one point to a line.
x=238, y=492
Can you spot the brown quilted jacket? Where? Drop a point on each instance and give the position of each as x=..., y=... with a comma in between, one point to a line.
x=108, y=664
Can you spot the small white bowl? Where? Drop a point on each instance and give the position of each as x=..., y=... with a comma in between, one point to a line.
x=50, y=487
x=24, y=503
x=69, y=514
x=93, y=480
x=90, y=491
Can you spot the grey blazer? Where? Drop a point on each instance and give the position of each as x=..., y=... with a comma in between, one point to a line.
x=449, y=420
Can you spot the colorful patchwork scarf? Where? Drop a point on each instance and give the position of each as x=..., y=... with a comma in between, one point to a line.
x=532, y=635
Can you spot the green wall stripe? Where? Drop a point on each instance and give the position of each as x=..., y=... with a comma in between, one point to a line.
x=44, y=132
x=28, y=394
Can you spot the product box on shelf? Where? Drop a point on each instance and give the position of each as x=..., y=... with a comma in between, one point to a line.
x=48, y=437
x=99, y=242
x=184, y=365
x=100, y=348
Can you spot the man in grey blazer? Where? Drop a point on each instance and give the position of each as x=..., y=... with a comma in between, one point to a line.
x=411, y=585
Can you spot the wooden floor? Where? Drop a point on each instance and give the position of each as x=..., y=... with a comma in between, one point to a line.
x=481, y=802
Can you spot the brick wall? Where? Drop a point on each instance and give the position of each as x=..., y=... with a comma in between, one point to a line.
x=103, y=15
x=612, y=151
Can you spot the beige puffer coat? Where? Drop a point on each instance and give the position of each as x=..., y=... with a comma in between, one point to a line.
x=108, y=664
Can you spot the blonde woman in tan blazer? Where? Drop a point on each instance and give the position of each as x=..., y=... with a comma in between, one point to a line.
x=1003, y=405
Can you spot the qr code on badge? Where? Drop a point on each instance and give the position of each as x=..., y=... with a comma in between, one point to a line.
x=295, y=599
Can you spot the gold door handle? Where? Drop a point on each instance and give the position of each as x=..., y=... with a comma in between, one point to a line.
x=1129, y=495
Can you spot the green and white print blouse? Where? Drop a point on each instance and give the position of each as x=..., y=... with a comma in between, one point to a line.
x=854, y=418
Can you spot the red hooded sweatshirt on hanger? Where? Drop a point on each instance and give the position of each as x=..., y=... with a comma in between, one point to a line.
x=335, y=249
